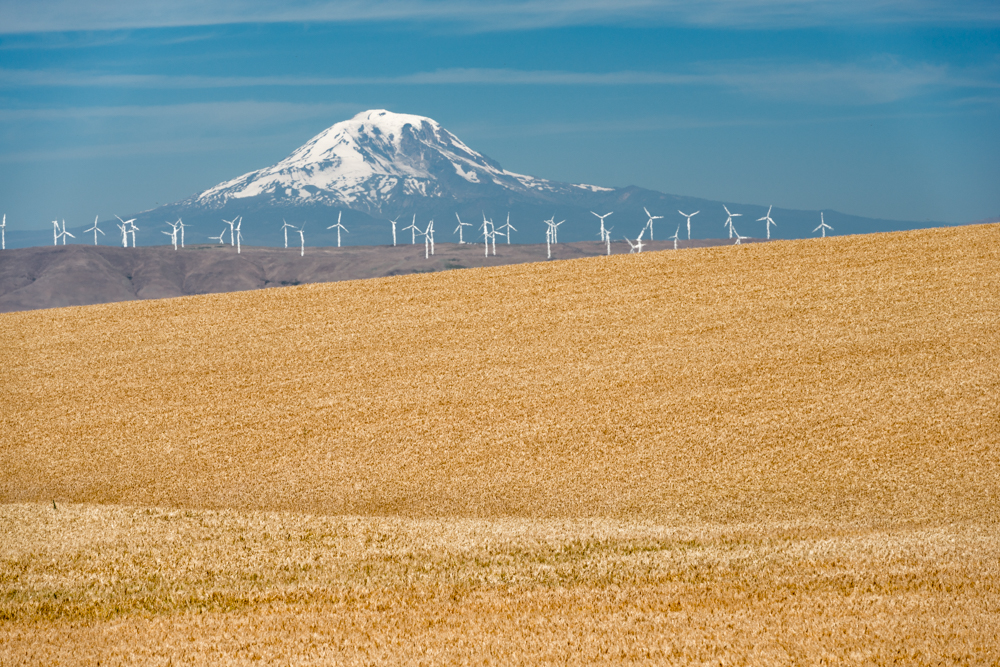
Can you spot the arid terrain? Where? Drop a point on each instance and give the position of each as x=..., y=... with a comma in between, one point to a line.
x=82, y=275
x=782, y=453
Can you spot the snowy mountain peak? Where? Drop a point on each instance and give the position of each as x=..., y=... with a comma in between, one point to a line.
x=373, y=160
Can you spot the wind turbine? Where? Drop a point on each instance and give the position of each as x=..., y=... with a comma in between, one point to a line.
x=55, y=232
x=393, y=222
x=739, y=239
x=689, y=220
x=124, y=228
x=64, y=233
x=769, y=221
x=223, y=235
x=429, y=238
x=172, y=233
x=132, y=230
x=555, y=230
x=413, y=230
x=674, y=237
x=607, y=238
x=604, y=232
x=94, y=229
x=239, y=235
x=459, y=228
x=180, y=223
x=285, y=226
x=637, y=246
x=486, y=236
x=3, y=233
x=338, y=227
x=231, y=223
x=509, y=227
x=729, y=220
x=650, y=222
x=822, y=226
x=302, y=237
x=548, y=240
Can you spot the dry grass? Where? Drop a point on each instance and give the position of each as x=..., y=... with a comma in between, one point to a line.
x=624, y=459
x=145, y=585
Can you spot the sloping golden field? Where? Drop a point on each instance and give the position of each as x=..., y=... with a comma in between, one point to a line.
x=784, y=452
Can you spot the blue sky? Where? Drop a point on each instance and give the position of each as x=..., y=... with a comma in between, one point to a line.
x=879, y=108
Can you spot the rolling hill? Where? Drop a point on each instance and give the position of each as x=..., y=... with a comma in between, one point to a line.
x=766, y=453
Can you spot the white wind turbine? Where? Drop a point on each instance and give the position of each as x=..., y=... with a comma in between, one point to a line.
x=55, y=232
x=729, y=220
x=3, y=233
x=510, y=228
x=132, y=230
x=604, y=232
x=222, y=236
x=63, y=234
x=338, y=227
x=548, y=240
x=459, y=228
x=124, y=228
x=302, y=238
x=239, y=235
x=487, y=234
x=739, y=239
x=769, y=221
x=637, y=246
x=172, y=233
x=607, y=238
x=428, y=239
x=555, y=229
x=674, y=237
x=650, y=222
x=822, y=226
x=94, y=229
x=393, y=222
x=413, y=230
x=689, y=220
x=232, y=226
x=284, y=228
x=181, y=225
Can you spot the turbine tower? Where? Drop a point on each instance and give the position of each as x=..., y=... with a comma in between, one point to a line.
x=94, y=229
x=63, y=234
x=338, y=227
x=413, y=230
x=689, y=220
x=509, y=227
x=822, y=226
x=604, y=232
x=674, y=237
x=232, y=237
x=769, y=221
x=55, y=232
x=172, y=233
x=729, y=220
x=124, y=228
x=132, y=230
x=3, y=233
x=181, y=225
x=650, y=222
x=284, y=228
x=393, y=222
x=239, y=235
x=302, y=238
x=607, y=239
x=459, y=228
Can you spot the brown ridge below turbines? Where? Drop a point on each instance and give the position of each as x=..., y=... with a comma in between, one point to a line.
x=781, y=452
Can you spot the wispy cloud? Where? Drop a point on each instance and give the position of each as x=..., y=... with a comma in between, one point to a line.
x=879, y=80
x=75, y=15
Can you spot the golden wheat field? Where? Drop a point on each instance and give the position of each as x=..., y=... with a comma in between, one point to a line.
x=783, y=453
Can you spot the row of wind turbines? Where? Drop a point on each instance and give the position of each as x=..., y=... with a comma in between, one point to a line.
x=490, y=231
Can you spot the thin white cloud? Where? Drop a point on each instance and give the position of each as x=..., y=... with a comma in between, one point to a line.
x=875, y=81
x=17, y=16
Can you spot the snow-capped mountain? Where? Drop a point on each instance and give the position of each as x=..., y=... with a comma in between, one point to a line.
x=373, y=161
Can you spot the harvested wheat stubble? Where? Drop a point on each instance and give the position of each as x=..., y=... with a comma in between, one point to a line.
x=100, y=584
x=781, y=453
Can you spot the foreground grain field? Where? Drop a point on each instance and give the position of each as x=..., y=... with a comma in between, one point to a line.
x=773, y=453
